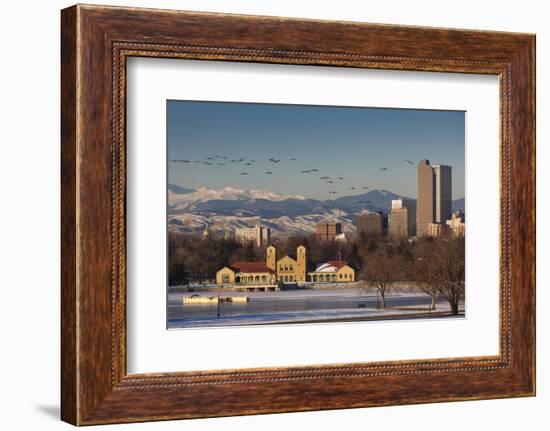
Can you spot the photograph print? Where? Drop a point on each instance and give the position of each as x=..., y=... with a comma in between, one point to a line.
x=292, y=214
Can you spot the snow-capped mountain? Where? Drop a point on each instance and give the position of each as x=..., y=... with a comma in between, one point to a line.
x=281, y=225
x=181, y=199
x=193, y=210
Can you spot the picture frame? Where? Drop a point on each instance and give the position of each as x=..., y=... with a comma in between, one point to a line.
x=96, y=42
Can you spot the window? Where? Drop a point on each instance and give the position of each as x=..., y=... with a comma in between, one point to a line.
x=225, y=278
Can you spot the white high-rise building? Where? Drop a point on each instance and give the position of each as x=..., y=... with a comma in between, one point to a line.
x=402, y=218
x=259, y=235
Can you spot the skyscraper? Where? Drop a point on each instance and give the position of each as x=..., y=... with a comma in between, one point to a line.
x=434, y=196
x=443, y=193
x=425, y=208
x=402, y=218
x=398, y=224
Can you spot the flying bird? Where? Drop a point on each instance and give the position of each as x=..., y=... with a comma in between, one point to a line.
x=340, y=178
x=207, y=163
x=365, y=188
x=324, y=178
x=383, y=169
x=314, y=170
x=352, y=188
x=330, y=182
x=293, y=158
x=268, y=173
x=272, y=159
x=409, y=162
x=243, y=173
x=306, y=172
x=332, y=192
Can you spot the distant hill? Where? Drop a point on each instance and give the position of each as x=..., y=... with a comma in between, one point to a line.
x=459, y=204
x=172, y=188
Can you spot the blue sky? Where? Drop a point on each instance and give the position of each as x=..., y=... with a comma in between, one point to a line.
x=353, y=143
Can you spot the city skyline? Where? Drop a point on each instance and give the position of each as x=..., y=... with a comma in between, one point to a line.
x=318, y=152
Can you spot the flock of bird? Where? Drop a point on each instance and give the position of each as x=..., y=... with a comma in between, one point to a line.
x=217, y=160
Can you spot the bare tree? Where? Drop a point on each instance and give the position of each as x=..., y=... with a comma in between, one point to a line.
x=421, y=270
x=381, y=269
x=439, y=269
x=450, y=269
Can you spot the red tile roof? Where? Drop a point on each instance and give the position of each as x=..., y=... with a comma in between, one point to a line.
x=337, y=263
x=251, y=267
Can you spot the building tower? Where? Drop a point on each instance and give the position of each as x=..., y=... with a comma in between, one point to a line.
x=371, y=223
x=327, y=231
x=398, y=220
x=435, y=204
x=301, y=264
x=271, y=257
x=425, y=208
x=443, y=193
x=402, y=218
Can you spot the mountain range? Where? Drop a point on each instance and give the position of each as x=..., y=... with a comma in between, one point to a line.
x=193, y=210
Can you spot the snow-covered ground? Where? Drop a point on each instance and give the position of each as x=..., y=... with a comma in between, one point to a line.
x=319, y=305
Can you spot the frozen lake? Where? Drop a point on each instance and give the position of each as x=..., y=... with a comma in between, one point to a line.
x=293, y=306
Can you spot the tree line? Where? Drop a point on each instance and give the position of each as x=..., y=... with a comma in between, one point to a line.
x=435, y=266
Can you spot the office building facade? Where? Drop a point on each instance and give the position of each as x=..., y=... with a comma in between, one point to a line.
x=402, y=218
x=373, y=223
x=443, y=193
x=434, y=203
x=328, y=231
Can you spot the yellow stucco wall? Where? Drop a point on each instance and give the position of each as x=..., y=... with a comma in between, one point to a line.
x=286, y=267
x=346, y=273
x=271, y=257
x=225, y=271
x=301, y=263
x=256, y=278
